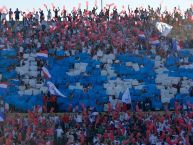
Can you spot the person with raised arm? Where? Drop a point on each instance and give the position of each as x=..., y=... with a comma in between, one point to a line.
x=94, y=10
x=56, y=13
x=41, y=15
x=4, y=14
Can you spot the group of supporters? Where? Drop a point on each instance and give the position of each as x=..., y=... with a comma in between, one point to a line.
x=116, y=126
x=89, y=31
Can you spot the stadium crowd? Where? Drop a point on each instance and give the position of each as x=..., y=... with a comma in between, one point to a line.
x=83, y=30
x=87, y=31
x=116, y=126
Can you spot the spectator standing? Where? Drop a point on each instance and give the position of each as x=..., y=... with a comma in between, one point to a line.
x=59, y=133
x=56, y=13
x=10, y=15
x=49, y=16
x=41, y=15
x=17, y=13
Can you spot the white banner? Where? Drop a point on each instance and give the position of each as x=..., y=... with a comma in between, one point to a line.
x=126, y=98
x=164, y=28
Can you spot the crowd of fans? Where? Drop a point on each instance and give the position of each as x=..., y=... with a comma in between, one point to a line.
x=80, y=30
x=87, y=31
x=34, y=129
x=116, y=126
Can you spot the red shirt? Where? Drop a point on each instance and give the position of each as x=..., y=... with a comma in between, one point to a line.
x=111, y=136
x=109, y=107
x=66, y=118
x=105, y=135
x=53, y=99
x=45, y=99
x=36, y=121
x=124, y=108
x=8, y=142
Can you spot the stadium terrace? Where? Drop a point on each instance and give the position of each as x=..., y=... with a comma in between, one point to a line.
x=89, y=78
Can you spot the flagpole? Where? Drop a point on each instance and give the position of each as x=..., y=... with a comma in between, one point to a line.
x=101, y=5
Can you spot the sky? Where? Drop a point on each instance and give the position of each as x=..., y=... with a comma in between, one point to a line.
x=25, y=5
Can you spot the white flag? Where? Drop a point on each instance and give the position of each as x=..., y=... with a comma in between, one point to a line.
x=53, y=90
x=126, y=98
x=46, y=73
x=164, y=28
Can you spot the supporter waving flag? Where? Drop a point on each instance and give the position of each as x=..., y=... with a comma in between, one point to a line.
x=141, y=35
x=53, y=90
x=46, y=73
x=43, y=54
x=176, y=44
x=164, y=28
x=154, y=41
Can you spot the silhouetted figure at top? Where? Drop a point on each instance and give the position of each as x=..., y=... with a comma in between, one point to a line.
x=56, y=12
x=115, y=13
x=94, y=10
x=49, y=15
x=10, y=14
x=41, y=15
x=17, y=12
x=79, y=12
x=69, y=18
x=74, y=15
x=101, y=14
x=107, y=13
x=136, y=11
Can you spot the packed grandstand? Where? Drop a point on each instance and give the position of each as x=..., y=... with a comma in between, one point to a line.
x=108, y=71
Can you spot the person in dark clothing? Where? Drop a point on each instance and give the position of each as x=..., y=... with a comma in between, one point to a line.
x=191, y=92
x=107, y=13
x=94, y=10
x=136, y=11
x=69, y=18
x=17, y=12
x=41, y=15
x=56, y=12
x=49, y=15
x=147, y=104
x=141, y=104
x=74, y=16
x=101, y=14
x=178, y=86
x=53, y=101
x=10, y=15
x=79, y=12
x=115, y=13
